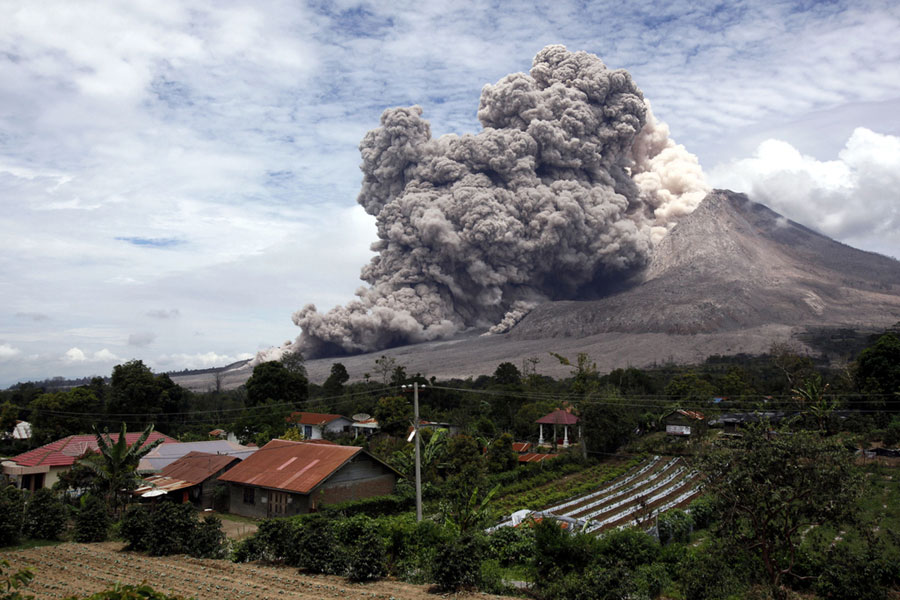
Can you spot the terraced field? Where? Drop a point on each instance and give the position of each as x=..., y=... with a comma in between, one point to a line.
x=651, y=488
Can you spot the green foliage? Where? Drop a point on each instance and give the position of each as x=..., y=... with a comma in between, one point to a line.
x=500, y=456
x=372, y=507
x=135, y=527
x=690, y=390
x=629, y=547
x=12, y=583
x=703, y=511
x=713, y=572
x=129, y=592
x=172, y=527
x=45, y=516
x=394, y=415
x=54, y=415
x=457, y=563
x=608, y=420
x=507, y=374
x=12, y=515
x=772, y=488
x=367, y=559
x=208, y=540
x=675, y=526
x=277, y=541
x=558, y=552
x=92, y=520
x=273, y=381
x=512, y=545
x=319, y=548
x=334, y=385
x=878, y=368
x=117, y=470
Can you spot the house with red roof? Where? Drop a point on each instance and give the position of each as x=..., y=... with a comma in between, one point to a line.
x=285, y=478
x=313, y=426
x=41, y=467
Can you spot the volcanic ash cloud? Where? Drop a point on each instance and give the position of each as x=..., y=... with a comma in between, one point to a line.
x=564, y=192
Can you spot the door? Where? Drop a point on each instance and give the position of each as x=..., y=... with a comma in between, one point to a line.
x=278, y=503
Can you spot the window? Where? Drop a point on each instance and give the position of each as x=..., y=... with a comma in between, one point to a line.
x=249, y=495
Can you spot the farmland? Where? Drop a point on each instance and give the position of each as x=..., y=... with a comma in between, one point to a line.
x=83, y=569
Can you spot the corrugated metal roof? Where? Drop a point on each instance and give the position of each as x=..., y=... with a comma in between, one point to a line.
x=64, y=452
x=534, y=457
x=293, y=466
x=197, y=467
x=166, y=454
x=521, y=447
x=159, y=483
x=558, y=417
x=308, y=418
x=691, y=414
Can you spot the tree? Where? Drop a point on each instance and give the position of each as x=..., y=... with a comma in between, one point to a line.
x=9, y=414
x=608, y=420
x=59, y=414
x=385, y=367
x=273, y=381
x=500, y=456
x=394, y=414
x=813, y=397
x=771, y=489
x=12, y=515
x=334, y=385
x=293, y=361
x=690, y=389
x=878, y=369
x=507, y=374
x=45, y=516
x=134, y=390
x=117, y=469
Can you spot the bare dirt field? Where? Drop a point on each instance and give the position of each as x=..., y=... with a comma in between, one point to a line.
x=83, y=569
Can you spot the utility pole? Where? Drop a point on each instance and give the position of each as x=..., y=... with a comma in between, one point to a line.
x=418, y=454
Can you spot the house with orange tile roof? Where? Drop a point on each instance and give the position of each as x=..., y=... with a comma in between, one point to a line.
x=40, y=467
x=285, y=478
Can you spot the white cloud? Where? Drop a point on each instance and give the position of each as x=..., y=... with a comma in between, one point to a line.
x=852, y=198
x=77, y=355
x=201, y=360
x=7, y=352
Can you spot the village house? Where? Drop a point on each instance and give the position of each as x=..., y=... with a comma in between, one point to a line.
x=191, y=478
x=165, y=454
x=313, y=426
x=285, y=478
x=41, y=467
x=686, y=423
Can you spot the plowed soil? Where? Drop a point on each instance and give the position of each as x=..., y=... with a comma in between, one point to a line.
x=83, y=569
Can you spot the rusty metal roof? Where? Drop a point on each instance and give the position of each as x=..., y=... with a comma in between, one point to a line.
x=292, y=466
x=534, y=457
x=558, y=417
x=691, y=414
x=158, y=483
x=521, y=447
x=197, y=467
x=308, y=418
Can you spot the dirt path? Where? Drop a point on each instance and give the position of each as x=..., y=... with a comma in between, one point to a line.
x=83, y=569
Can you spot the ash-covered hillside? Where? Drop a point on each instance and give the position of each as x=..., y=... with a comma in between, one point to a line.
x=735, y=264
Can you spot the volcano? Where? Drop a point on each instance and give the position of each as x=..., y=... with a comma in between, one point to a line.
x=732, y=277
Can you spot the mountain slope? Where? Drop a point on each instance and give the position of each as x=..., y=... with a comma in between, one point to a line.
x=734, y=264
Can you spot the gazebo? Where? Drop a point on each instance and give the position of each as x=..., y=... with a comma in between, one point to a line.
x=557, y=417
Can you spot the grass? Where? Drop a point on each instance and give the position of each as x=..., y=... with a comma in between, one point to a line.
x=32, y=544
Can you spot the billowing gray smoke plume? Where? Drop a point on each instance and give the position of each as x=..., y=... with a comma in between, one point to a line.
x=564, y=192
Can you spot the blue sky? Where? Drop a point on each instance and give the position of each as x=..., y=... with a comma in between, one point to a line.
x=177, y=178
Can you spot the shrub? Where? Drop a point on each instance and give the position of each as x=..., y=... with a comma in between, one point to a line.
x=629, y=547
x=319, y=548
x=208, y=540
x=10, y=584
x=135, y=527
x=92, y=520
x=367, y=558
x=512, y=545
x=373, y=507
x=277, y=540
x=12, y=515
x=45, y=516
x=558, y=552
x=457, y=563
x=675, y=526
x=703, y=511
x=171, y=528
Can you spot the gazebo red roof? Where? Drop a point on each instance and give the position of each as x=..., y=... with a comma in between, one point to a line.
x=558, y=417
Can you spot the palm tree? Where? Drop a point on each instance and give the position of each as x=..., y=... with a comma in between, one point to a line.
x=116, y=468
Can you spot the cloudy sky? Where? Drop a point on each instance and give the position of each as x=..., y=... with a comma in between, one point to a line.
x=177, y=178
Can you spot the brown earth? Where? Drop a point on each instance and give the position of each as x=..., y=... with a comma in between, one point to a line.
x=83, y=569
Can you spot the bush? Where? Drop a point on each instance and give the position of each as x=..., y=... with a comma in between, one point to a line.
x=45, y=516
x=558, y=552
x=703, y=511
x=172, y=527
x=457, y=563
x=92, y=520
x=891, y=437
x=628, y=547
x=367, y=561
x=372, y=507
x=713, y=572
x=675, y=526
x=319, y=548
x=12, y=515
x=512, y=545
x=208, y=540
x=135, y=527
x=277, y=541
